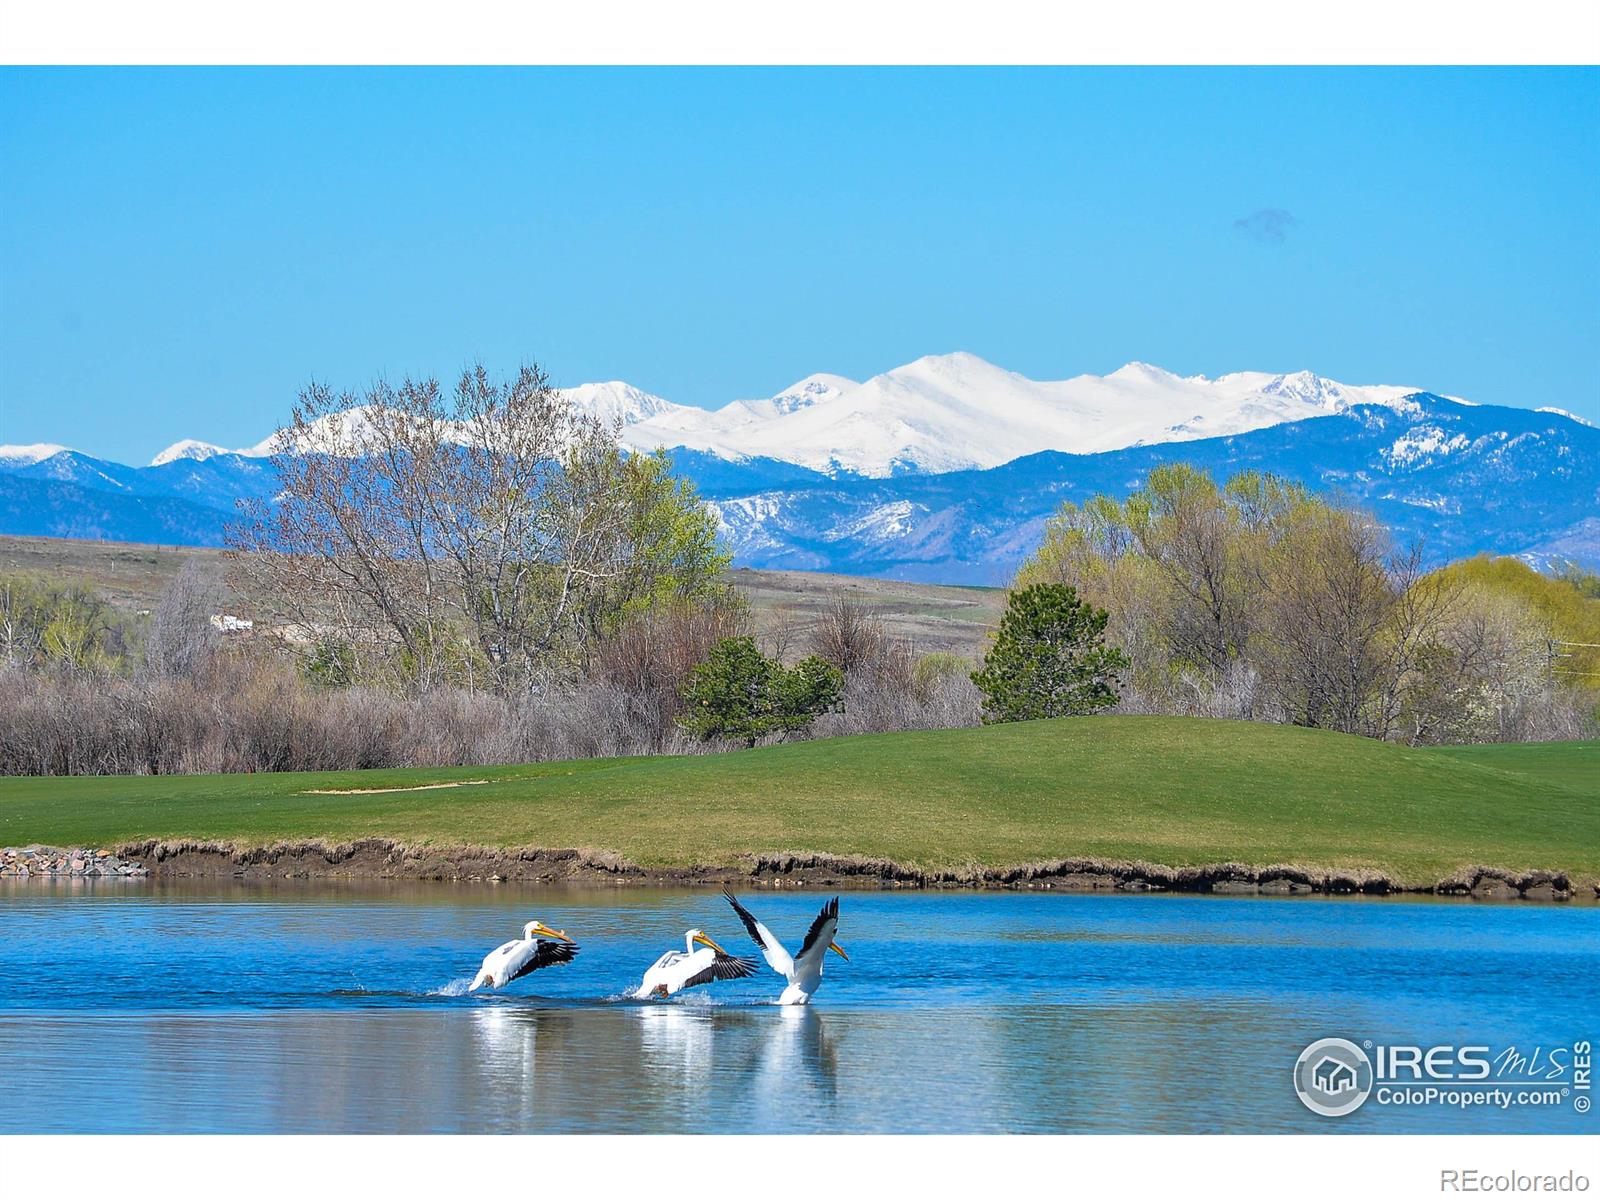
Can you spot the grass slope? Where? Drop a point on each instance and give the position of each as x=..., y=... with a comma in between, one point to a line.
x=933, y=616
x=1171, y=790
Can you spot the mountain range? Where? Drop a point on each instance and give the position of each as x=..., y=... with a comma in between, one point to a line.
x=947, y=412
x=946, y=469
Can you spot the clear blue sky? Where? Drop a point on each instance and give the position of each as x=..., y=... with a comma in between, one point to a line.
x=181, y=250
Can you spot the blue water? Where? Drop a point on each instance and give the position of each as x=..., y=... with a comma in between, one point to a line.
x=149, y=1007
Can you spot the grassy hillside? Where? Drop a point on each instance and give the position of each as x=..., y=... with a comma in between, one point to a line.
x=935, y=617
x=1574, y=765
x=1171, y=790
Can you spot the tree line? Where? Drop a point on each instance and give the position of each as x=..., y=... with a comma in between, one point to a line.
x=1255, y=599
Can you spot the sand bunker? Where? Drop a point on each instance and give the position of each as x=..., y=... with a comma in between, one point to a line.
x=421, y=787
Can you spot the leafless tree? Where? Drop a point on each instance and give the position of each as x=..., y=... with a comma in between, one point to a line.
x=847, y=634
x=780, y=637
x=1329, y=610
x=182, y=636
x=22, y=619
x=1187, y=528
x=481, y=536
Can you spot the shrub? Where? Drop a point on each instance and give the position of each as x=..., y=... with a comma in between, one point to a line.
x=331, y=664
x=849, y=636
x=740, y=694
x=933, y=670
x=650, y=656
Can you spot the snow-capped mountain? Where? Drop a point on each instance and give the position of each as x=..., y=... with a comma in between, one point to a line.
x=948, y=412
x=812, y=390
x=623, y=404
x=189, y=448
x=1464, y=478
x=12, y=457
x=954, y=412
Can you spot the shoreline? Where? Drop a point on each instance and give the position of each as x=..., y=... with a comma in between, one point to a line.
x=382, y=858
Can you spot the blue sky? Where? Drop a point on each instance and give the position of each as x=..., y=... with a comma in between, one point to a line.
x=181, y=250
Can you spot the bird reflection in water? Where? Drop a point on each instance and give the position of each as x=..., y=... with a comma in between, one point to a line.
x=798, y=1055
x=763, y=1055
x=655, y=1067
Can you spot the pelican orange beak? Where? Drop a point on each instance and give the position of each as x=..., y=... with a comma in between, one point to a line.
x=837, y=949
x=705, y=941
x=541, y=928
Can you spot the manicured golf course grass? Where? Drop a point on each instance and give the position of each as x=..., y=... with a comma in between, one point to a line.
x=1175, y=791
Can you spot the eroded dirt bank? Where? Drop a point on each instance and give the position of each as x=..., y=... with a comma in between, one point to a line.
x=379, y=858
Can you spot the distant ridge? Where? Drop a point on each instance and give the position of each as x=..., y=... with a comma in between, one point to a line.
x=948, y=412
x=1464, y=478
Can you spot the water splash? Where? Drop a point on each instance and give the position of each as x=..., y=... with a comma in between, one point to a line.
x=456, y=987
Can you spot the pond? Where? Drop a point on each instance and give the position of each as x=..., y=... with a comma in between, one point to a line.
x=145, y=1007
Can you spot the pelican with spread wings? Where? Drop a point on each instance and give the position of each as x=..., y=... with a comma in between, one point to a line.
x=804, y=970
x=679, y=969
x=540, y=946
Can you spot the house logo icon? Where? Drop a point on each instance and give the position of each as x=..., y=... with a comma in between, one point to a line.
x=1333, y=1077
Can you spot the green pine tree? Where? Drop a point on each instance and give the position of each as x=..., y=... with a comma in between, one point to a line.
x=1049, y=658
x=740, y=694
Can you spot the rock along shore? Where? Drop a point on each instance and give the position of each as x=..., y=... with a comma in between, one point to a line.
x=379, y=858
x=26, y=862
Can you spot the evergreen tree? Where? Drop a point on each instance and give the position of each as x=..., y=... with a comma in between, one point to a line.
x=1049, y=658
x=739, y=693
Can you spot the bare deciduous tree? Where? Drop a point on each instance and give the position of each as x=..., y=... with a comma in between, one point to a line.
x=482, y=536
x=1331, y=603
x=182, y=636
x=848, y=635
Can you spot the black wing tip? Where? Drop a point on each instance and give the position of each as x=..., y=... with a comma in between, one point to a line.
x=546, y=954
x=745, y=915
x=733, y=966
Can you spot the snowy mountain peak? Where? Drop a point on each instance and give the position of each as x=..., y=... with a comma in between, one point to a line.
x=188, y=448
x=813, y=389
x=346, y=432
x=1561, y=412
x=12, y=457
x=619, y=402
x=1308, y=388
x=960, y=367
x=1142, y=372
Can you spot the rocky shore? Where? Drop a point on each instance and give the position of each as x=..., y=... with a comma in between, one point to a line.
x=27, y=862
x=379, y=858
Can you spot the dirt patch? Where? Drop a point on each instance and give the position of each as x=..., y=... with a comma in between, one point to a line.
x=421, y=787
x=380, y=858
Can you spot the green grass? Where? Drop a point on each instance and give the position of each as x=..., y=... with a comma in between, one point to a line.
x=1170, y=790
x=1573, y=765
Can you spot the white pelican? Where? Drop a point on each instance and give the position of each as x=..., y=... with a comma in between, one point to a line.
x=804, y=970
x=515, y=959
x=679, y=969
